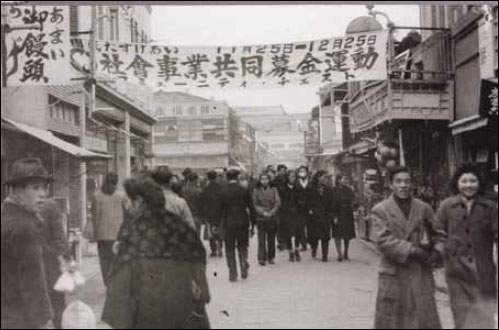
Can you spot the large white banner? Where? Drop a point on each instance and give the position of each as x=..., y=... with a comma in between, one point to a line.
x=486, y=44
x=354, y=57
x=38, y=45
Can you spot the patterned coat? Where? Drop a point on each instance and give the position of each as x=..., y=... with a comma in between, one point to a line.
x=406, y=292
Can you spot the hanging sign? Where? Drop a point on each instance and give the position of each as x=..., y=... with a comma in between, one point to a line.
x=354, y=57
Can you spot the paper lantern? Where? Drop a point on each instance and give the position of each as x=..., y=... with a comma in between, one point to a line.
x=394, y=153
x=384, y=151
x=391, y=164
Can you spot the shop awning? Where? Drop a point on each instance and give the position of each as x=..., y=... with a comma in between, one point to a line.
x=51, y=139
x=468, y=124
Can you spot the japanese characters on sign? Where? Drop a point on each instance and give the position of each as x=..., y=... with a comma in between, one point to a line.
x=38, y=56
x=488, y=99
x=353, y=57
x=312, y=138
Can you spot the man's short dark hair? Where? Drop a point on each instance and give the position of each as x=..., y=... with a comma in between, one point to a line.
x=132, y=188
x=186, y=172
x=281, y=167
x=162, y=176
x=212, y=175
x=193, y=177
x=469, y=168
x=232, y=174
x=397, y=170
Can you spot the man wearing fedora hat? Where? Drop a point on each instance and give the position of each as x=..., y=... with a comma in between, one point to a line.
x=25, y=299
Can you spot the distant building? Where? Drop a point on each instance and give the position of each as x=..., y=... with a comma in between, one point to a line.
x=283, y=133
x=191, y=132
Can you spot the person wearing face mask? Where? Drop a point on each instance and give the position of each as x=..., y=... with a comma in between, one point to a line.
x=411, y=245
x=303, y=190
x=25, y=297
x=470, y=222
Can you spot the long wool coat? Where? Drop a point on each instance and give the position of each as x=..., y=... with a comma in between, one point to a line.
x=470, y=269
x=322, y=213
x=25, y=295
x=406, y=292
x=289, y=220
x=344, y=199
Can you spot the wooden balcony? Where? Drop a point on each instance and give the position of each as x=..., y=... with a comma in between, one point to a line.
x=401, y=99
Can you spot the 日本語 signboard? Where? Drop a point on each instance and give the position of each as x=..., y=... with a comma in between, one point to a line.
x=353, y=57
x=37, y=45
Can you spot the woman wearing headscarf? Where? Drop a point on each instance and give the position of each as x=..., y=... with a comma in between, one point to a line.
x=470, y=222
x=158, y=278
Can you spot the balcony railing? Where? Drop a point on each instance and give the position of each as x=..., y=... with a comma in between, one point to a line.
x=401, y=99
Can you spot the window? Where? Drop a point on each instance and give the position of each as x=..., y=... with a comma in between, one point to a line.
x=100, y=23
x=132, y=24
x=177, y=110
x=193, y=111
x=114, y=24
x=190, y=131
x=441, y=16
x=69, y=116
x=214, y=130
x=205, y=109
x=434, y=16
x=278, y=146
x=63, y=112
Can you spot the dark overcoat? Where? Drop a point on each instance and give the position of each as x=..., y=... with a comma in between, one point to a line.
x=344, y=199
x=470, y=268
x=25, y=297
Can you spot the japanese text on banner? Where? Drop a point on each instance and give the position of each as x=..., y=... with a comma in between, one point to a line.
x=39, y=56
x=354, y=57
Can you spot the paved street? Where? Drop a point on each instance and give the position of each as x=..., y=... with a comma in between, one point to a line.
x=306, y=295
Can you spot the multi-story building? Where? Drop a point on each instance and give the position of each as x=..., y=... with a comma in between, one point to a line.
x=474, y=41
x=283, y=133
x=191, y=132
x=409, y=113
x=55, y=124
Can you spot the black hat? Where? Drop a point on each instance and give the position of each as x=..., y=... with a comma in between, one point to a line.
x=26, y=170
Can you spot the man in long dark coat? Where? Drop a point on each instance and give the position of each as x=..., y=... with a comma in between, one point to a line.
x=25, y=297
x=210, y=206
x=237, y=213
